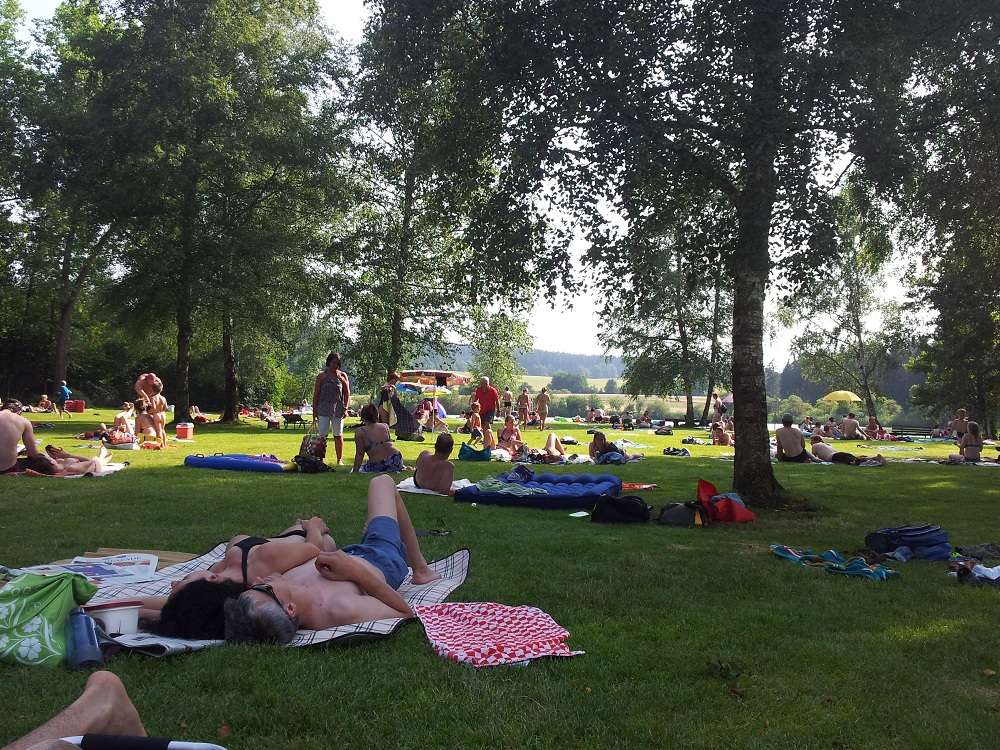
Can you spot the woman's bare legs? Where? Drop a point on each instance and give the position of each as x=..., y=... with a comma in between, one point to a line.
x=103, y=708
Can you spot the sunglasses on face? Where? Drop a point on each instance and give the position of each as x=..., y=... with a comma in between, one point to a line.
x=268, y=589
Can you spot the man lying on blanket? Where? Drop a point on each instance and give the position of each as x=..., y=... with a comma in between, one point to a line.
x=354, y=584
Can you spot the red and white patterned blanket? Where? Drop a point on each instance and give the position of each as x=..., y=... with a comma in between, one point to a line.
x=488, y=634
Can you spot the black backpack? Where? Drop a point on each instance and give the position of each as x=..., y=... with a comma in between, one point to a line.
x=623, y=509
x=310, y=465
x=683, y=514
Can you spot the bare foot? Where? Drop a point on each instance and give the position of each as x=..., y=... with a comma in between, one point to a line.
x=425, y=575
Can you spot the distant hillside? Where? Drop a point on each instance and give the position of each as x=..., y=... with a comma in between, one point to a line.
x=540, y=362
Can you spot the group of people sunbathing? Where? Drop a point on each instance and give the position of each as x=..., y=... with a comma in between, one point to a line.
x=15, y=429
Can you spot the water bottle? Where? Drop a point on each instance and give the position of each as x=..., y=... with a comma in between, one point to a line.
x=81, y=641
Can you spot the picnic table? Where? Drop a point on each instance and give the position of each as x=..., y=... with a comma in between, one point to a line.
x=295, y=421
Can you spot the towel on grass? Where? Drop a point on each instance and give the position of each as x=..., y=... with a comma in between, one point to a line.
x=108, y=469
x=453, y=569
x=832, y=562
x=488, y=634
x=407, y=485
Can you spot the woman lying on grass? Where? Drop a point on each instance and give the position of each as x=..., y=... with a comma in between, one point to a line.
x=193, y=609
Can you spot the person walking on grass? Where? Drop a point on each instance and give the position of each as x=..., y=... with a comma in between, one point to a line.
x=542, y=401
x=62, y=395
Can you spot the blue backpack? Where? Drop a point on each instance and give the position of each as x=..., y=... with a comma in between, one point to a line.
x=925, y=541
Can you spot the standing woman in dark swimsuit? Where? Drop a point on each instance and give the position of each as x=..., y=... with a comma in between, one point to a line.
x=331, y=395
x=373, y=438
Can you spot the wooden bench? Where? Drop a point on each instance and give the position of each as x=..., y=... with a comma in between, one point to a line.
x=921, y=432
x=295, y=421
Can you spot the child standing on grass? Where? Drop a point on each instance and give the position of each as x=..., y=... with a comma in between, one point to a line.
x=61, y=398
x=475, y=424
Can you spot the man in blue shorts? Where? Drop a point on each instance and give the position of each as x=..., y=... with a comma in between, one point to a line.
x=357, y=583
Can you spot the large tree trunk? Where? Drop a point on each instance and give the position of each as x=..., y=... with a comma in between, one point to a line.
x=185, y=298
x=750, y=265
x=70, y=290
x=232, y=411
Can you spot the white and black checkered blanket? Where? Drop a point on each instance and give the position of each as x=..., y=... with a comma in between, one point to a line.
x=453, y=569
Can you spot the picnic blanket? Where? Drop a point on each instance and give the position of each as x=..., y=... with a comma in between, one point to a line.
x=488, y=634
x=832, y=562
x=407, y=485
x=453, y=569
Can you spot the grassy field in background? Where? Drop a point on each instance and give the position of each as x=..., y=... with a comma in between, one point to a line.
x=824, y=661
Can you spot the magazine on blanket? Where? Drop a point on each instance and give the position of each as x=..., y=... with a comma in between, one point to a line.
x=113, y=570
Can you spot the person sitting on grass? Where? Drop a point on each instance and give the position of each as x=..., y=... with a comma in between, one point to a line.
x=372, y=437
x=791, y=444
x=436, y=472
x=510, y=438
x=872, y=430
x=600, y=445
x=828, y=454
x=357, y=583
x=15, y=429
x=971, y=447
x=720, y=436
x=489, y=439
x=44, y=405
x=193, y=609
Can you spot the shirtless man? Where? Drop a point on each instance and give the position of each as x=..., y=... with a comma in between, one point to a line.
x=850, y=427
x=14, y=429
x=434, y=470
x=828, y=454
x=791, y=442
x=354, y=584
x=959, y=426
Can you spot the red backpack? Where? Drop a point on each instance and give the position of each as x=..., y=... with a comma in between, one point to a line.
x=723, y=508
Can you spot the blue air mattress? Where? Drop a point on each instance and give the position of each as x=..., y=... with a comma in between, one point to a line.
x=563, y=492
x=239, y=462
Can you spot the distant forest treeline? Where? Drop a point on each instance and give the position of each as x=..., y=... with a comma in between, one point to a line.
x=539, y=362
x=781, y=383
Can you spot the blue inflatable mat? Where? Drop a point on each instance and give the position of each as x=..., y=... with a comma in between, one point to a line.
x=563, y=492
x=239, y=462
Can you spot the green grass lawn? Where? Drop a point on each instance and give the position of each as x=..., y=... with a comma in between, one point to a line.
x=826, y=661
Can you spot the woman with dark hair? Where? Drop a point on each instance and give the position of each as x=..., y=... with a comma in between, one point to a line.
x=331, y=394
x=971, y=446
x=373, y=438
x=246, y=558
x=196, y=611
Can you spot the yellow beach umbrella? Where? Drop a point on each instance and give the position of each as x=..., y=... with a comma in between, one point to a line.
x=841, y=396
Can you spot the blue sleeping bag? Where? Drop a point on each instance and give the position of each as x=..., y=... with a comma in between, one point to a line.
x=563, y=491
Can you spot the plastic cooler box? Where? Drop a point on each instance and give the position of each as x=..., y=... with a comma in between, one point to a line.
x=74, y=405
x=185, y=430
